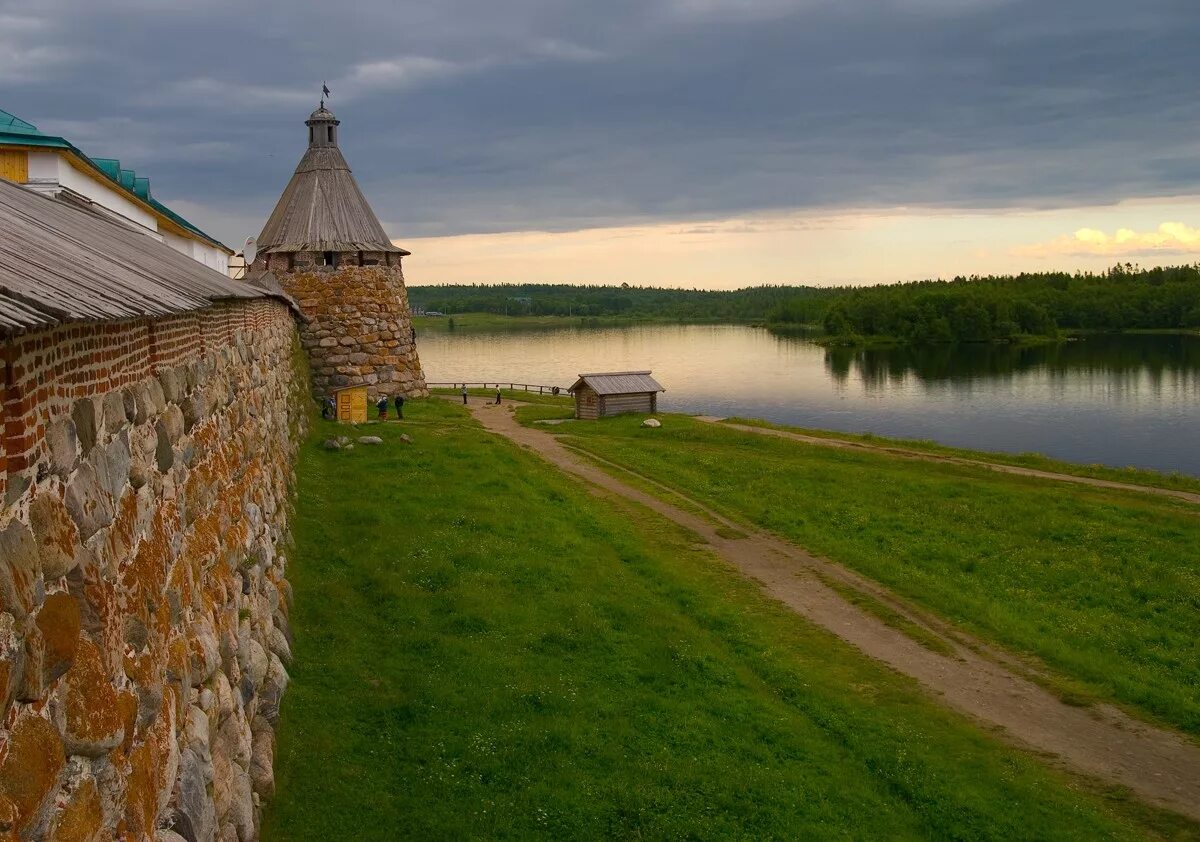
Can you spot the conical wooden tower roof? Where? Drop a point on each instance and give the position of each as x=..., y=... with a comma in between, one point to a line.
x=322, y=208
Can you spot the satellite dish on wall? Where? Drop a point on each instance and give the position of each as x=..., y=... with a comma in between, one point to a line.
x=250, y=250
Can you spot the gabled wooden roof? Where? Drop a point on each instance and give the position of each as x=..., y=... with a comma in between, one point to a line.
x=60, y=262
x=618, y=383
x=322, y=209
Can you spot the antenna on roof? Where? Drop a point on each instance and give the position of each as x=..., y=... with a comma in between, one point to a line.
x=250, y=249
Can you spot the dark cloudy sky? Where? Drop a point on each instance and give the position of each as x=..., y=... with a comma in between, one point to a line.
x=481, y=116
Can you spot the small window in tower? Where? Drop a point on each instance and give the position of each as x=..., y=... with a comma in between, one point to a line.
x=330, y=258
x=311, y=136
x=330, y=130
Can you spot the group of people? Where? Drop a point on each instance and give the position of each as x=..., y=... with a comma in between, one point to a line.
x=382, y=406
x=329, y=409
x=464, y=395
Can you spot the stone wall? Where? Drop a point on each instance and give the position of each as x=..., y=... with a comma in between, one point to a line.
x=145, y=473
x=359, y=326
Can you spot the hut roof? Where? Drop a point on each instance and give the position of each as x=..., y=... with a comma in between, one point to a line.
x=618, y=383
x=322, y=208
x=63, y=262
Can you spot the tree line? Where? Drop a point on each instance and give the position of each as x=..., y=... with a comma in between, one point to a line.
x=751, y=304
x=1006, y=307
x=966, y=309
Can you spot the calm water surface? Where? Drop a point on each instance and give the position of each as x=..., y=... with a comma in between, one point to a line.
x=1119, y=400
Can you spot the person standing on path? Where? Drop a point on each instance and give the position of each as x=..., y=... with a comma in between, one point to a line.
x=464, y=394
x=497, y=397
x=381, y=405
x=399, y=407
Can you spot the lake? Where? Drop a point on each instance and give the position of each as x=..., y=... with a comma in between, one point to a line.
x=1115, y=400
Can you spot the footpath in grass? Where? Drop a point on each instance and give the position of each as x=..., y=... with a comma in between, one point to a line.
x=1103, y=586
x=486, y=649
x=1132, y=476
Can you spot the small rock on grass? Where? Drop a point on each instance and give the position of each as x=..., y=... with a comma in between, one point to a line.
x=406, y=438
x=370, y=440
x=331, y=444
x=651, y=422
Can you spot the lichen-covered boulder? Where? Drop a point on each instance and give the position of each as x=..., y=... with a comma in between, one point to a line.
x=262, y=758
x=29, y=772
x=20, y=570
x=56, y=534
x=86, y=707
x=63, y=444
x=80, y=818
x=59, y=622
x=89, y=503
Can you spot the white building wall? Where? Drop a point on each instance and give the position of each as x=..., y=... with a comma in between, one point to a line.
x=210, y=256
x=47, y=168
x=50, y=171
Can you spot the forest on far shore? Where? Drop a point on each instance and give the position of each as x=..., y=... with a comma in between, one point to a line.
x=974, y=309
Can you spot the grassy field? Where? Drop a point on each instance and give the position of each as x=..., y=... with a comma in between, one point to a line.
x=485, y=649
x=1136, y=476
x=1102, y=586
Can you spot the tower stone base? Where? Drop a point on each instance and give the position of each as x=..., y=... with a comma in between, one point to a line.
x=359, y=329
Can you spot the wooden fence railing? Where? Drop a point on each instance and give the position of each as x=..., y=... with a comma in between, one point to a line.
x=493, y=384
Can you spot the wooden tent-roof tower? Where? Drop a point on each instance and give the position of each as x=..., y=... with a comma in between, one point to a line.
x=324, y=246
x=322, y=208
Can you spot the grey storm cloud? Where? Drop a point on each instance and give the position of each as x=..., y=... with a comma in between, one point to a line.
x=482, y=115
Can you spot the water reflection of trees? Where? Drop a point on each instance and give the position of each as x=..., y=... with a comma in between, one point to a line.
x=1154, y=356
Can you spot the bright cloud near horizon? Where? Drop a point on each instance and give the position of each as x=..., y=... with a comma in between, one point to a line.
x=713, y=143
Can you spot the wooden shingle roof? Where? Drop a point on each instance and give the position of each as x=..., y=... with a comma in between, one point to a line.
x=322, y=208
x=618, y=383
x=61, y=262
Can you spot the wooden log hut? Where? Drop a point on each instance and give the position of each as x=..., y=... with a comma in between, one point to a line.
x=604, y=394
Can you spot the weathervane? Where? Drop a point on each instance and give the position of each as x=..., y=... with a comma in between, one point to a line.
x=324, y=93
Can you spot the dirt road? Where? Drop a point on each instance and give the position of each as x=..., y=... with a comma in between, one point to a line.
x=1160, y=766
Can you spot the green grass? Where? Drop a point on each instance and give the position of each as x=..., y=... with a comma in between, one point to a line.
x=1102, y=586
x=1134, y=476
x=486, y=649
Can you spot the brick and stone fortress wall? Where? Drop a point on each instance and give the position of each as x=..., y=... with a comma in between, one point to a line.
x=359, y=325
x=145, y=474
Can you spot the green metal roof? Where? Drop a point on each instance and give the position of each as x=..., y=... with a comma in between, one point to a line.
x=13, y=123
x=16, y=132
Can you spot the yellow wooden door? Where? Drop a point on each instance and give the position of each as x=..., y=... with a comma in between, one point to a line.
x=352, y=405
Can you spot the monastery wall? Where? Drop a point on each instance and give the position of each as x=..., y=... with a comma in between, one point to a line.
x=145, y=473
